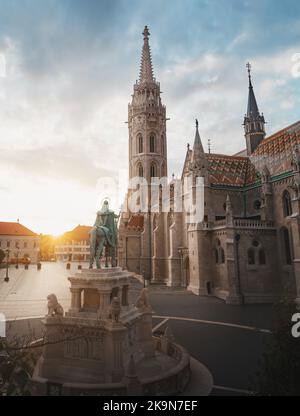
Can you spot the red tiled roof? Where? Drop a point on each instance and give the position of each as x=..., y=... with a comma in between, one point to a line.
x=79, y=233
x=276, y=151
x=230, y=170
x=136, y=222
x=15, y=229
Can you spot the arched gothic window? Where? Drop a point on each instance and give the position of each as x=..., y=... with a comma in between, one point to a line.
x=256, y=254
x=152, y=170
x=152, y=143
x=219, y=253
x=286, y=245
x=162, y=145
x=222, y=255
x=140, y=144
x=251, y=256
x=140, y=170
x=287, y=204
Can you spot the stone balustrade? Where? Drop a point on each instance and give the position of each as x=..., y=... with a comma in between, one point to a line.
x=242, y=223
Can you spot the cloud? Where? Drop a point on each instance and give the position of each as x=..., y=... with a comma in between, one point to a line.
x=70, y=70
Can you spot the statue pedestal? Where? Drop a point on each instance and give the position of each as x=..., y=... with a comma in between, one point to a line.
x=104, y=346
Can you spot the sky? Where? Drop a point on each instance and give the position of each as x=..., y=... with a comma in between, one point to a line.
x=67, y=69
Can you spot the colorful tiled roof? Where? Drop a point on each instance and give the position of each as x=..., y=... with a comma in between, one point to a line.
x=15, y=229
x=230, y=170
x=276, y=151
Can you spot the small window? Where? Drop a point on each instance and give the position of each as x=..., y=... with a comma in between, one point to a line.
x=287, y=204
x=140, y=143
x=152, y=171
x=222, y=255
x=217, y=256
x=140, y=171
x=219, y=253
x=287, y=246
x=251, y=256
x=152, y=143
x=162, y=145
x=257, y=205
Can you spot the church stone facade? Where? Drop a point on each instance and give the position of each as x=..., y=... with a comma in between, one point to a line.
x=246, y=249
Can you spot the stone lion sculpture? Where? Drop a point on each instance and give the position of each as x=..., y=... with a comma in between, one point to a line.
x=54, y=308
x=142, y=301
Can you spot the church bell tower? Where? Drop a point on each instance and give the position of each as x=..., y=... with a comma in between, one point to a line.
x=147, y=123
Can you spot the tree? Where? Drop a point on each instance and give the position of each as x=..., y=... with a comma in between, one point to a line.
x=17, y=361
x=279, y=372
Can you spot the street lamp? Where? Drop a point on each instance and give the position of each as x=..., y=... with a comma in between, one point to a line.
x=17, y=255
x=7, y=259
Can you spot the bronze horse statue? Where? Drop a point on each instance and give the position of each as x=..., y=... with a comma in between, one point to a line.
x=103, y=235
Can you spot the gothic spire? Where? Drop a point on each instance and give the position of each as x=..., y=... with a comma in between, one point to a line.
x=198, y=151
x=254, y=122
x=146, y=71
x=252, y=110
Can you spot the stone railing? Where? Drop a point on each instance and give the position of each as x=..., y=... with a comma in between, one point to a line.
x=170, y=382
x=241, y=223
x=248, y=223
x=220, y=223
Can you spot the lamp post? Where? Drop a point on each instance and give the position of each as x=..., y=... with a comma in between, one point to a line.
x=17, y=255
x=7, y=259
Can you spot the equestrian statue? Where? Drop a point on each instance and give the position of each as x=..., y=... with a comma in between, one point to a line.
x=103, y=235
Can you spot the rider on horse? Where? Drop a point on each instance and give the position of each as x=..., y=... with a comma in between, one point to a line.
x=104, y=233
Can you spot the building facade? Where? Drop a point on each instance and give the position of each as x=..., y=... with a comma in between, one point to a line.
x=246, y=248
x=20, y=242
x=74, y=245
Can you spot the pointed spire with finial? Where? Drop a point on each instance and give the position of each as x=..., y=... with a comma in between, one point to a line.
x=198, y=151
x=254, y=122
x=209, y=145
x=252, y=109
x=146, y=70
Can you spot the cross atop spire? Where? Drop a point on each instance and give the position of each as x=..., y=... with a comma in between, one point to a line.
x=248, y=66
x=146, y=33
x=146, y=71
